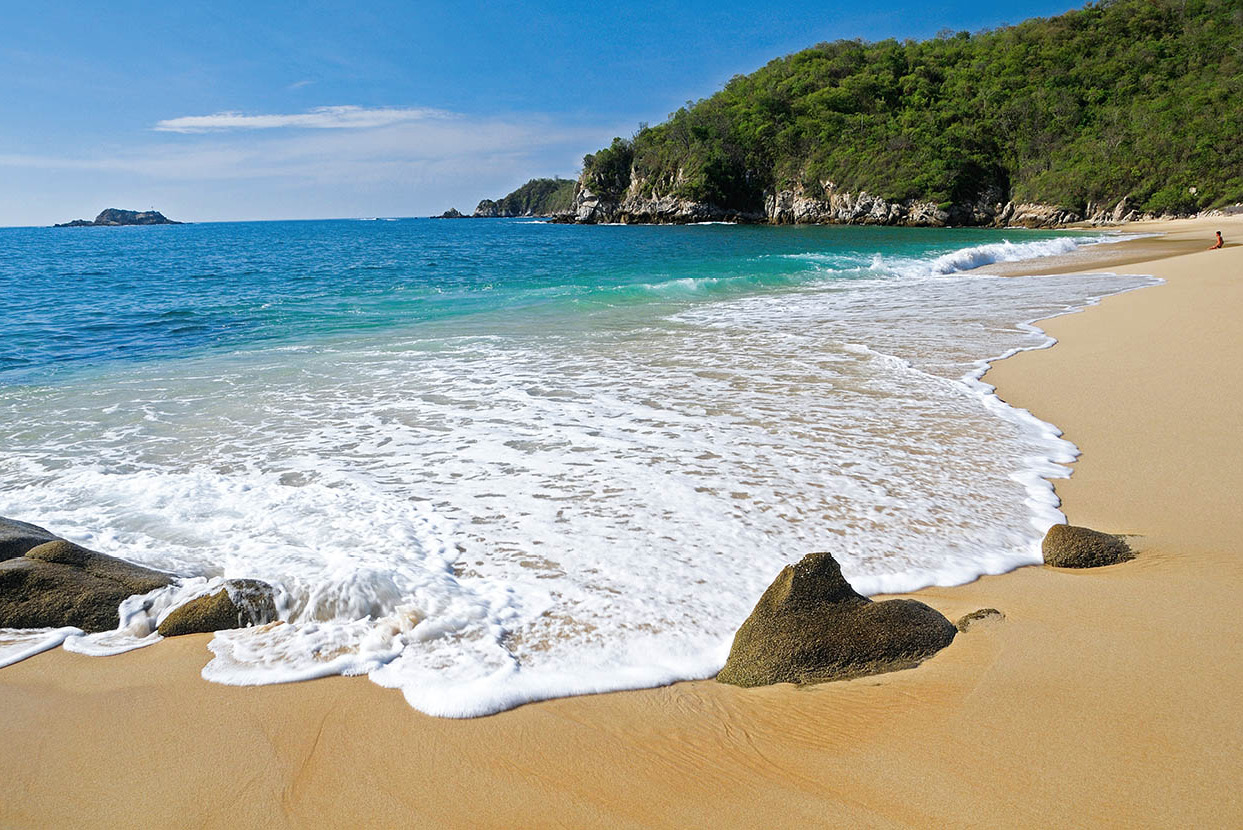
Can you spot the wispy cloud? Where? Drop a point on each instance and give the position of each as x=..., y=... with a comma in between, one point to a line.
x=320, y=118
x=383, y=147
x=299, y=84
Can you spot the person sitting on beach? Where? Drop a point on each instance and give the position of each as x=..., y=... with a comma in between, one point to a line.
x=1220, y=243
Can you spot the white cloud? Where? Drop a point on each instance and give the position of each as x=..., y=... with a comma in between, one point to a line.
x=375, y=151
x=333, y=118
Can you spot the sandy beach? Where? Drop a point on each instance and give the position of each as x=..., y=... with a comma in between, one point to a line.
x=1106, y=698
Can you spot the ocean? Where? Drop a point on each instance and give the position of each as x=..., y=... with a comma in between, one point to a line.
x=494, y=461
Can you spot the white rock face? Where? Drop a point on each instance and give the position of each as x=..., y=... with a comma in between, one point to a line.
x=643, y=203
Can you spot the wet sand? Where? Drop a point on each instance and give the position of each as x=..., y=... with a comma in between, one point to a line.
x=1106, y=698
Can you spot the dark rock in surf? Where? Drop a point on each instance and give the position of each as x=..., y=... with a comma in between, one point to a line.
x=811, y=626
x=1068, y=546
x=57, y=583
x=240, y=603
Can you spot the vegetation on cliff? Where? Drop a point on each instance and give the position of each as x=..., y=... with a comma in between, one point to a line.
x=1134, y=99
x=538, y=197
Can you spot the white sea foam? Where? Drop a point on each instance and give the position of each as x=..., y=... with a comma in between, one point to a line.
x=16, y=644
x=978, y=256
x=140, y=616
x=965, y=259
x=485, y=521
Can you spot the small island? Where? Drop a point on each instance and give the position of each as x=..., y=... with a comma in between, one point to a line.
x=113, y=217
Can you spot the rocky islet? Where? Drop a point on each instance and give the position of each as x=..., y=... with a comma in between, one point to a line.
x=116, y=217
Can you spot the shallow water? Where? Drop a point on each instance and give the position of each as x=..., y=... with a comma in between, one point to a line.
x=493, y=461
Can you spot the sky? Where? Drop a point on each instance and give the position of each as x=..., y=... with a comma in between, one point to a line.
x=219, y=111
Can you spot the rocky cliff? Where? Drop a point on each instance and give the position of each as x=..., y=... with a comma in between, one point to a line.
x=536, y=198
x=643, y=204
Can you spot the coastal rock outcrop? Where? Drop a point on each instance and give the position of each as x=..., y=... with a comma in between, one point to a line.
x=56, y=583
x=1068, y=546
x=452, y=213
x=537, y=198
x=647, y=202
x=486, y=209
x=1027, y=215
x=636, y=208
x=837, y=207
x=811, y=626
x=643, y=203
x=240, y=603
x=113, y=217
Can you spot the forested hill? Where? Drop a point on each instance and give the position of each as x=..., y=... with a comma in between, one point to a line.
x=538, y=197
x=1065, y=117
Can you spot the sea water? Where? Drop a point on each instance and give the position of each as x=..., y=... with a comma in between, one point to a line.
x=488, y=462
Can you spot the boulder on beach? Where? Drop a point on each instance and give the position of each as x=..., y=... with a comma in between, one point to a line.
x=1068, y=546
x=57, y=583
x=811, y=626
x=240, y=603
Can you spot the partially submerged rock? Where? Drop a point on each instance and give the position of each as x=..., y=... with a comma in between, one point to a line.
x=240, y=603
x=811, y=626
x=1068, y=546
x=57, y=583
x=981, y=616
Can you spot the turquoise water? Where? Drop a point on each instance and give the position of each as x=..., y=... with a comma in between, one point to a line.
x=78, y=298
x=488, y=462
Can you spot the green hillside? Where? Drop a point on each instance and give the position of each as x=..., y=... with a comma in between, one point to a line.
x=1133, y=98
x=538, y=197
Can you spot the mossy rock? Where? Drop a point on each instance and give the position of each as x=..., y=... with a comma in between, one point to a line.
x=810, y=626
x=62, y=552
x=240, y=603
x=982, y=616
x=1068, y=546
x=58, y=584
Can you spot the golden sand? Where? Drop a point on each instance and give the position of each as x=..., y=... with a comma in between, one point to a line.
x=1109, y=697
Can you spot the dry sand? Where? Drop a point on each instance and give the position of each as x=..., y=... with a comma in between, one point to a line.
x=1106, y=698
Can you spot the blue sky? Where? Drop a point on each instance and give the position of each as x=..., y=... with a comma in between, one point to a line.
x=254, y=110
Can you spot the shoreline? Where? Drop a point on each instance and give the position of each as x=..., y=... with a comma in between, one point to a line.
x=1116, y=685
